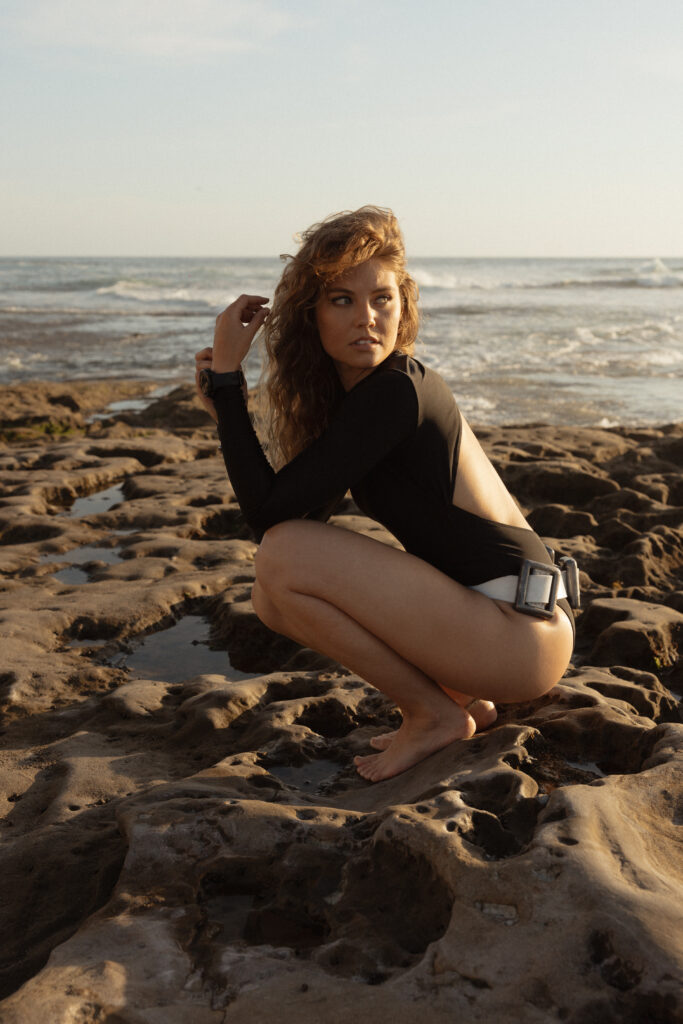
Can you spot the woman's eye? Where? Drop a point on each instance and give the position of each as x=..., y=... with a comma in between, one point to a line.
x=345, y=300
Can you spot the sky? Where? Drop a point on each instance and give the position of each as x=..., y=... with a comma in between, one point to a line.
x=223, y=127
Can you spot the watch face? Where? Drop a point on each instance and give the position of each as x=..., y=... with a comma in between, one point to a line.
x=205, y=382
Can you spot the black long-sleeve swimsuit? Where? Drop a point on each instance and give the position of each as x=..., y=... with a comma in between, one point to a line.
x=394, y=442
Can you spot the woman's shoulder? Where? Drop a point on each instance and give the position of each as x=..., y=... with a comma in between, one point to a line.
x=413, y=381
x=406, y=364
x=423, y=378
x=432, y=391
x=392, y=386
x=398, y=377
x=405, y=369
x=402, y=376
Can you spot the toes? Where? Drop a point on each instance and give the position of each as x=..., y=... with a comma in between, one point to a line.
x=362, y=762
x=483, y=712
x=382, y=742
x=367, y=766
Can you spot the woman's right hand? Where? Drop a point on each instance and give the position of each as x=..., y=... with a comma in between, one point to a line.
x=235, y=330
x=204, y=361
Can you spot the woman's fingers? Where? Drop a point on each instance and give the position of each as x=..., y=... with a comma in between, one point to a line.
x=253, y=306
x=247, y=315
x=244, y=308
x=242, y=303
x=206, y=402
x=235, y=330
x=259, y=317
x=203, y=355
x=252, y=321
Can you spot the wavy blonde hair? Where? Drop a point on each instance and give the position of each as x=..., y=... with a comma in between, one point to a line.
x=301, y=383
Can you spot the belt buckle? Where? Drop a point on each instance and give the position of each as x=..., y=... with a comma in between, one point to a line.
x=529, y=569
x=571, y=573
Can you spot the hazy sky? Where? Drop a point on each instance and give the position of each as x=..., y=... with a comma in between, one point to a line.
x=221, y=127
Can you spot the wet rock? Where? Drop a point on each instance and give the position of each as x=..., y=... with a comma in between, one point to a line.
x=195, y=846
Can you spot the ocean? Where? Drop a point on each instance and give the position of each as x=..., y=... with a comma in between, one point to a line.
x=575, y=341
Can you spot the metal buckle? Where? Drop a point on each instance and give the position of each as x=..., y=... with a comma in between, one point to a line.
x=537, y=608
x=571, y=569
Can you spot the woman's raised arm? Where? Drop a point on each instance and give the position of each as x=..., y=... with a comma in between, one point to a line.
x=375, y=416
x=236, y=328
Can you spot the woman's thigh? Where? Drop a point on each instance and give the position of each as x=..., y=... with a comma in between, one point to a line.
x=453, y=634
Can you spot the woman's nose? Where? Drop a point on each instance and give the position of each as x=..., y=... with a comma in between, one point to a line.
x=366, y=314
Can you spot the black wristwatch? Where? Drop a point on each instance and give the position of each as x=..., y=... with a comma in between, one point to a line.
x=210, y=382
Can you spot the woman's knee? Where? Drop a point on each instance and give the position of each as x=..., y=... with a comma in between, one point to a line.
x=265, y=608
x=276, y=554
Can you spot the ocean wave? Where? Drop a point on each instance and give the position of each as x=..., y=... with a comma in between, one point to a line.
x=21, y=361
x=460, y=310
x=143, y=292
x=652, y=274
x=444, y=280
x=606, y=423
x=477, y=403
x=659, y=358
x=95, y=313
x=41, y=311
x=652, y=281
x=77, y=285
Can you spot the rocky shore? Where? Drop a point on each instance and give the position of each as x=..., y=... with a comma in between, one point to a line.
x=184, y=838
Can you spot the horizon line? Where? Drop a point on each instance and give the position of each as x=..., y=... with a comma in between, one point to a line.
x=423, y=256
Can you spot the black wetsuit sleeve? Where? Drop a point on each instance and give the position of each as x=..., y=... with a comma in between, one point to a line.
x=374, y=417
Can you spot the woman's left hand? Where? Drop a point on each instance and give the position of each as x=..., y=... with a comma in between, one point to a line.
x=204, y=361
x=235, y=329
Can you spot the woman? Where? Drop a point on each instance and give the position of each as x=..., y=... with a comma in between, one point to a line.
x=442, y=628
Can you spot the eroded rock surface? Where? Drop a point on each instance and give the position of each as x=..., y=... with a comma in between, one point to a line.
x=184, y=838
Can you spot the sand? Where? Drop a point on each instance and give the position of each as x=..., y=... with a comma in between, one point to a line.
x=184, y=838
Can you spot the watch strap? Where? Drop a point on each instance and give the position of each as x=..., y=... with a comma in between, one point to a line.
x=234, y=378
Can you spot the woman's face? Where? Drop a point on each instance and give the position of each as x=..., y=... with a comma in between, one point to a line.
x=358, y=317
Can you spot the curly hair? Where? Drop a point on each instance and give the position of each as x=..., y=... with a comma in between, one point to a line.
x=301, y=383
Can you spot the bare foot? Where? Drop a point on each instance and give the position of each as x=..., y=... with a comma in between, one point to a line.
x=414, y=741
x=482, y=711
x=384, y=740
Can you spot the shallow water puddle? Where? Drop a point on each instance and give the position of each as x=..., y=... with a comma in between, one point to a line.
x=123, y=405
x=83, y=555
x=311, y=775
x=94, y=504
x=178, y=653
x=71, y=575
x=132, y=404
x=77, y=557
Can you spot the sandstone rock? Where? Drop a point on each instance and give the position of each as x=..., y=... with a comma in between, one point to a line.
x=193, y=844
